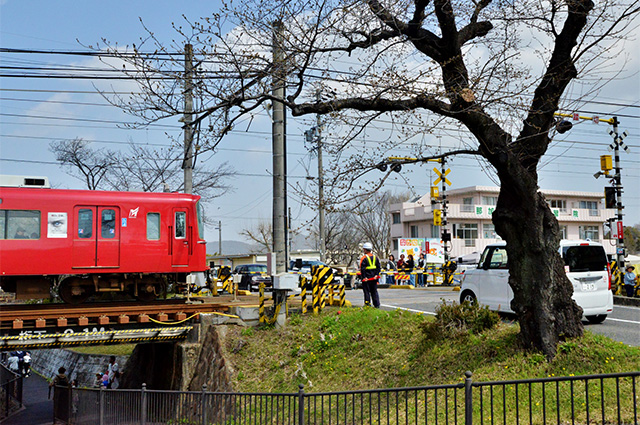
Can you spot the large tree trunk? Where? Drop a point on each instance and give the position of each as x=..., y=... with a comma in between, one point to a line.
x=542, y=292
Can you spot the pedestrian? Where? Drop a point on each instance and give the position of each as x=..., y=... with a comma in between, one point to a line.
x=13, y=363
x=370, y=273
x=60, y=395
x=391, y=268
x=410, y=265
x=105, y=380
x=114, y=374
x=27, y=364
x=421, y=265
x=629, y=281
x=401, y=263
x=98, y=381
x=20, y=355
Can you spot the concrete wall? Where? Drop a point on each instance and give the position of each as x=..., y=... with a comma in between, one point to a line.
x=81, y=367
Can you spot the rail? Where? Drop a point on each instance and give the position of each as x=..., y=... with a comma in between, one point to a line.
x=609, y=398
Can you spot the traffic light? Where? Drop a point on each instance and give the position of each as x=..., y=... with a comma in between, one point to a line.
x=609, y=197
x=437, y=217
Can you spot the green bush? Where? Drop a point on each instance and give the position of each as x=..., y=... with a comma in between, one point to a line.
x=456, y=320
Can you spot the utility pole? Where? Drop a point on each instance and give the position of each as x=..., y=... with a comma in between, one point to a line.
x=323, y=246
x=279, y=171
x=187, y=163
x=314, y=135
x=219, y=237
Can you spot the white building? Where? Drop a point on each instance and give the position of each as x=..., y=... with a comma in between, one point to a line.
x=581, y=215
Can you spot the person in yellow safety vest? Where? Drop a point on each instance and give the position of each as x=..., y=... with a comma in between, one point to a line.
x=370, y=273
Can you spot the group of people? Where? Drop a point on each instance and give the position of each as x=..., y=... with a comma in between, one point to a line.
x=111, y=378
x=19, y=362
x=405, y=266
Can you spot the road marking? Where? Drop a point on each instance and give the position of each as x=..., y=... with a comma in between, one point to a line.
x=407, y=309
x=623, y=321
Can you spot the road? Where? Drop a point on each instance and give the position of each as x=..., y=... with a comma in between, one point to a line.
x=622, y=325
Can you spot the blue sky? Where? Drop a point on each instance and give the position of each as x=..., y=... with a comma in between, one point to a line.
x=28, y=109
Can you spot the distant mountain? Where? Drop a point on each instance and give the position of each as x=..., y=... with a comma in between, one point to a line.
x=300, y=242
x=233, y=248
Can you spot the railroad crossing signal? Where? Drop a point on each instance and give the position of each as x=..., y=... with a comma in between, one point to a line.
x=442, y=176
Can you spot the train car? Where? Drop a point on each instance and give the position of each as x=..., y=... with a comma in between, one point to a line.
x=84, y=242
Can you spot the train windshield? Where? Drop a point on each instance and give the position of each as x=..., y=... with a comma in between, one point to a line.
x=200, y=211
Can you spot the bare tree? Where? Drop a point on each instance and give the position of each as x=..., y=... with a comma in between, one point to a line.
x=82, y=162
x=464, y=63
x=262, y=234
x=141, y=168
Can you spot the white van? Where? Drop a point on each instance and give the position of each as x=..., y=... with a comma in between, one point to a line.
x=586, y=266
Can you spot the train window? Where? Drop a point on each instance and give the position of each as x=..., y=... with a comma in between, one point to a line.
x=153, y=226
x=19, y=224
x=85, y=223
x=108, y=224
x=181, y=224
x=200, y=220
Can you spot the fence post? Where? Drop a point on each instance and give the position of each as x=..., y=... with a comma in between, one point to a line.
x=143, y=405
x=468, y=399
x=300, y=404
x=203, y=402
x=101, y=406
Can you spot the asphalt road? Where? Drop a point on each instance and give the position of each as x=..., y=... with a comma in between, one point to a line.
x=622, y=325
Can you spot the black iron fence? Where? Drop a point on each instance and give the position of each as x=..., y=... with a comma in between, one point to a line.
x=602, y=399
x=10, y=392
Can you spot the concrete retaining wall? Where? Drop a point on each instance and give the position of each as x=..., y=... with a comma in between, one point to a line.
x=81, y=367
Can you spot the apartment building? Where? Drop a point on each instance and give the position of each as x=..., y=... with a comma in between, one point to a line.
x=581, y=215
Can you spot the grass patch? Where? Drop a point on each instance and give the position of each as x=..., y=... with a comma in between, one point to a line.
x=109, y=350
x=352, y=349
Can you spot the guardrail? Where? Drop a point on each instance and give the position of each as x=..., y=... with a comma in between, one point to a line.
x=610, y=398
x=10, y=392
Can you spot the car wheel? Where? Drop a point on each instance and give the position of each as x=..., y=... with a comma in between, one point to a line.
x=598, y=318
x=469, y=297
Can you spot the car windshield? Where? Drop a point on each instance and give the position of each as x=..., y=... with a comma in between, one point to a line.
x=256, y=268
x=585, y=258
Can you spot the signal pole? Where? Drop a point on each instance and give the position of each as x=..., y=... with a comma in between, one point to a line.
x=617, y=181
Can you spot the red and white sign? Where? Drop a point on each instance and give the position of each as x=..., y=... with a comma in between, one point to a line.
x=620, y=229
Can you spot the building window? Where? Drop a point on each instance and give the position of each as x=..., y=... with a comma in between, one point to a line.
x=490, y=200
x=589, y=232
x=559, y=204
x=395, y=245
x=395, y=218
x=468, y=232
x=435, y=232
x=414, y=231
x=563, y=232
x=592, y=206
x=489, y=231
x=467, y=205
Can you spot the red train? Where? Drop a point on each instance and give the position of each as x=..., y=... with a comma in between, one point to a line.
x=84, y=242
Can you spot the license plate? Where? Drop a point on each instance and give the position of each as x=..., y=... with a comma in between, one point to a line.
x=586, y=287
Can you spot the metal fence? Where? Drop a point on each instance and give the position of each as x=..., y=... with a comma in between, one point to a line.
x=10, y=392
x=610, y=399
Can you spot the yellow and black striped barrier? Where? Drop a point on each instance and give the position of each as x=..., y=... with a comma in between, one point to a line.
x=616, y=278
x=224, y=276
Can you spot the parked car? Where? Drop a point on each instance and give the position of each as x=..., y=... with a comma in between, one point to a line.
x=252, y=276
x=586, y=266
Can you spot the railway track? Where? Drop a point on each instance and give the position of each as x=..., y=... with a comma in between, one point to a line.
x=17, y=317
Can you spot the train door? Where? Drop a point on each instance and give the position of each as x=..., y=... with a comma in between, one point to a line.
x=180, y=238
x=96, y=237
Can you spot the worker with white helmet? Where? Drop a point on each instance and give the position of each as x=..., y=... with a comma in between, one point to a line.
x=369, y=274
